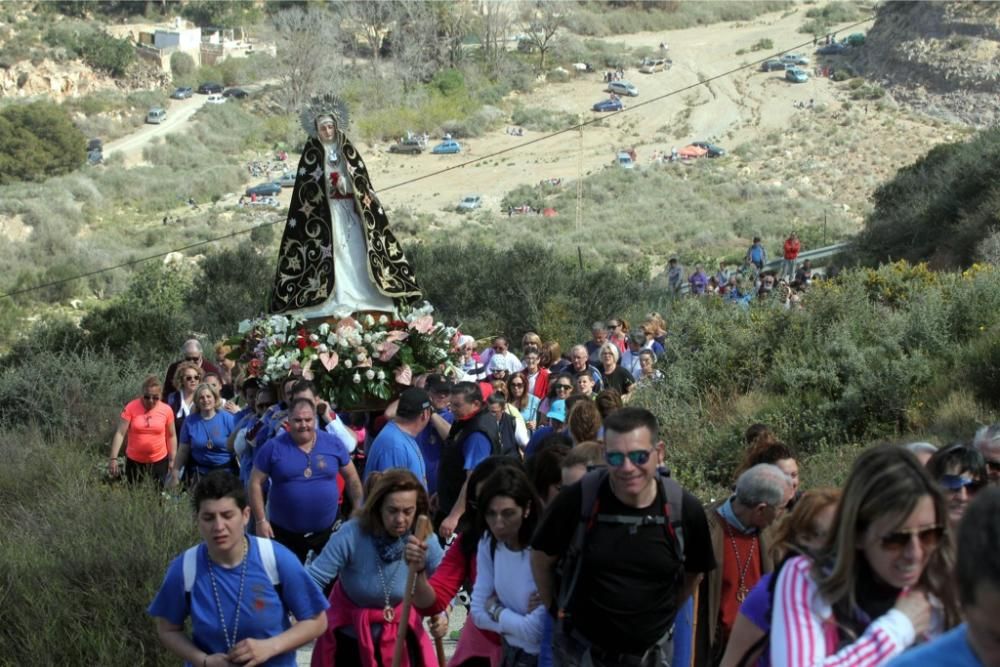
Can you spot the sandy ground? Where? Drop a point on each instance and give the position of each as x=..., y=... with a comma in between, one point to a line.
x=178, y=113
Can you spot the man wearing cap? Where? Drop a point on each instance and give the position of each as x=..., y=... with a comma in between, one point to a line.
x=396, y=444
x=431, y=439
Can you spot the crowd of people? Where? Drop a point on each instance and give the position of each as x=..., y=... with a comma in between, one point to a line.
x=752, y=279
x=556, y=523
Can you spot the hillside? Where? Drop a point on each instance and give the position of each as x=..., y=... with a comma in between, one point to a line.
x=939, y=58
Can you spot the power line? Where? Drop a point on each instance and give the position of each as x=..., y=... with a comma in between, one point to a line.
x=461, y=165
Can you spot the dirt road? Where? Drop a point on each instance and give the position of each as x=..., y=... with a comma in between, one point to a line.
x=178, y=113
x=734, y=109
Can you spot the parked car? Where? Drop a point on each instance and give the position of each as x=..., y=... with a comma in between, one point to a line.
x=238, y=93
x=713, y=150
x=794, y=59
x=215, y=98
x=447, y=146
x=771, y=65
x=625, y=161
x=287, y=179
x=410, y=146
x=796, y=75
x=623, y=88
x=95, y=156
x=651, y=66
x=95, y=144
x=469, y=203
x=609, y=105
x=265, y=189
x=210, y=88
x=156, y=115
x=182, y=93
x=835, y=49
x=855, y=39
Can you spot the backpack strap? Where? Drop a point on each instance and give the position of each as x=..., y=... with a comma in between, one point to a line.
x=572, y=562
x=674, y=511
x=266, y=549
x=190, y=568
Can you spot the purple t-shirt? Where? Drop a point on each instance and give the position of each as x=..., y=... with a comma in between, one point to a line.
x=757, y=606
x=298, y=503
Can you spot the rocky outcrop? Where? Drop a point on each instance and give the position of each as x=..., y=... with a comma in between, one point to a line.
x=54, y=80
x=940, y=58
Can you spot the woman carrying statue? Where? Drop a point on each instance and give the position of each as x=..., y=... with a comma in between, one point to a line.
x=337, y=255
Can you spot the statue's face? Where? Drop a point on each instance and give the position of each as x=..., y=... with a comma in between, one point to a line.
x=326, y=128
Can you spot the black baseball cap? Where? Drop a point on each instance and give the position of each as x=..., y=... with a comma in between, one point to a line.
x=438, y=384
x=412, y=402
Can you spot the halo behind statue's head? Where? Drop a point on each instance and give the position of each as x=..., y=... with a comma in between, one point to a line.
x=324, y=105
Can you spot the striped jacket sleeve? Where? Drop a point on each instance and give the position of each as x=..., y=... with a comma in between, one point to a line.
x=798, y=635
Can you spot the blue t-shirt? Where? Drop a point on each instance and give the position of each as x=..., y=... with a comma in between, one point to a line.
x=207, y=438
x=536, y=439
x=298, y=503
x=476, y=448
x=351, y=554
x=263, y=613
x=395, y=448
x=949, y=650
x=430, y=444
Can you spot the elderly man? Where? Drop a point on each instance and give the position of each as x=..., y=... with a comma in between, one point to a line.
x=473, y=437
x=302, y=464
x=987, y=441
x=634, y=570
x=190, y=351
x=580, y=361
x=500, y=356
x=396, y=446
x=762, y=496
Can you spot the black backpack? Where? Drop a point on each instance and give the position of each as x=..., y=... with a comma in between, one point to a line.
x=571, y=564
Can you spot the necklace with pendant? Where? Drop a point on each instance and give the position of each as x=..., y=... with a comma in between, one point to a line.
x=388, y=613
x=230, y=641
x=308, y=472
x=741, y=587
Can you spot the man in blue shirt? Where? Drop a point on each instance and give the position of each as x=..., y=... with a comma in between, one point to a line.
x=396, y=444
x=975, y=643
x=431, y=439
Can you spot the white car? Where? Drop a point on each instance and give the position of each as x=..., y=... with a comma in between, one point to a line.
x=470, y=202
x=216, y=98
x=623, y=88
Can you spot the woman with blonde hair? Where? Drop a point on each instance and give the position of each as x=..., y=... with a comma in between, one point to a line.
x=186, y=379
x=883, y=579
x=613, y=376
x=204, y=437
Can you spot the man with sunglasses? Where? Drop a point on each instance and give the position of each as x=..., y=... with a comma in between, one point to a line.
x=190, y=351
x=634, y=572
x=987, y=441
x=736, y=525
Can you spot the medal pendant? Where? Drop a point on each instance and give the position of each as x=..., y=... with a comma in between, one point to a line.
x=389, y=614
x=741, y=594
x=307, y=473
x=210, y=445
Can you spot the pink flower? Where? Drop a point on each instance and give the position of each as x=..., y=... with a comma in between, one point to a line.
x=404, y=375
x=347, y=327
x=386, y=351
x=423, y=324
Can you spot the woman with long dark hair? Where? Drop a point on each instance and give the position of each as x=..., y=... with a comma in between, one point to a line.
x=881, y=582
x=502, y=600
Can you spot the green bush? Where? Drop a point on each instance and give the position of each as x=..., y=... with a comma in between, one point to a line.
x=181, y=64
x=763, y=44
x=38, y=140
x=232, y=284
x=104, y=52
x=542, y=120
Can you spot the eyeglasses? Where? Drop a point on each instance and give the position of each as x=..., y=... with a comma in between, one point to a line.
x=193, y=360
x=955, y=483
x=516, y=384
x=928, y=538
x=564, y=387
x=151, y=397
x=637, y=457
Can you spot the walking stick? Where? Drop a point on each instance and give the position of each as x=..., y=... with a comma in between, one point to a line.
x=422, y=530
x=439, y=646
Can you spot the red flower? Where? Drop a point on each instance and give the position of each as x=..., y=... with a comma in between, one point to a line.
x=302, y=339
x=398, y=324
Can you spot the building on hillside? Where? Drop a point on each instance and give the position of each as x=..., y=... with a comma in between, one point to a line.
x=208, y=46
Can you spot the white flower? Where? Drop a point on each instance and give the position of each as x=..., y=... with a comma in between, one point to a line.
x=287, y=364
x=331, y=340
x=323, y=348
x=369, y=321
x=279, y=324
x=313, y=338
x=380, y=375
x=356, y=340
x=367, y=338
x=324, y=329
x=382, y=319
x=344, y=343
x=361, y=356
x=245, y=326
x=370, y=374
x=356, y=379
x=348, y=364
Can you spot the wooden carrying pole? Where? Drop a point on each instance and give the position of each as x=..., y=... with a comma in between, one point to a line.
x=421, y=531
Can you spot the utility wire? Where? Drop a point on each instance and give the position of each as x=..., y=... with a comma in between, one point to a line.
x=461, y=165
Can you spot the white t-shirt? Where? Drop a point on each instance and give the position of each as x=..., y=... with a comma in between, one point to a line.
x=507, y=574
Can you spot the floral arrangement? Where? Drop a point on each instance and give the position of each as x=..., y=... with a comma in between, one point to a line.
x=353, y=361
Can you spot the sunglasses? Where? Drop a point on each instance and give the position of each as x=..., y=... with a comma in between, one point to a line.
x=151, y=397
x=928, y=538
x=566, y=387
x=955, y=483
x=637, y=457
x=992, y=465
x=192, y=377
x=611, y=325
x=517, y=384
x=192, y=359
